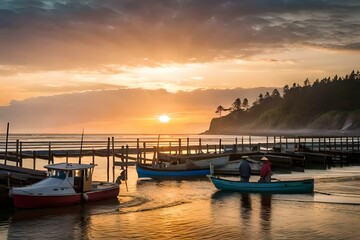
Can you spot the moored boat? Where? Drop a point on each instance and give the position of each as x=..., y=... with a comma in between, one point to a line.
x=145, y=171
x=196, y=160
x=294, y=186
x=232, y=167
x=216, y=161
x=12, y=176
x=67, y=183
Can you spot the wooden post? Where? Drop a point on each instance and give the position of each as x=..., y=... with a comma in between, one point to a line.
x=286, y=143
x=81, y=144
x=236, y=144
x=207, y=148
x=312, y=144
x=347, y=143
x=154, y=156
x=352, y=144
x=49, y=153
x=324, y=144
x=180, y=151
x=280, y=144
x=220, y=145
x=93, y=156
x=113, y=157
x=169, y=147
x=330, y=143
x=187, y=146
x=6, y=143
x=17, y=152
x=21, y=156
x=341, y=143
x=144, y=147
x=274, y=142
x=250, y=143
x=108, y=160
x=127, y=160
x=267, y=143
x=67, y=156
x=122, y=157
x=200, y=150
x=137, y=150
x=319, y=143
x=34, y=160
x=242, y=144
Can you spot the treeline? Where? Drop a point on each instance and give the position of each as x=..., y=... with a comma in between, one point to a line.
x=299, y=106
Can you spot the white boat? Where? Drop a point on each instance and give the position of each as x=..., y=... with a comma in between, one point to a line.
x=192, y=161
x=232, y=167
x=67, y=183
x=216, y=161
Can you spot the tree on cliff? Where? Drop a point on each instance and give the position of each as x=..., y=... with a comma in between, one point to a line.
x=219, y=109
x=236, y=105
x=245, y=103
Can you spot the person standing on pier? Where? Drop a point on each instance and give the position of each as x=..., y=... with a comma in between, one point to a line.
x=265, y=173
x=244, y=169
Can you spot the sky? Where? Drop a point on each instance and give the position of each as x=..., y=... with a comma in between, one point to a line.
x=144, y=58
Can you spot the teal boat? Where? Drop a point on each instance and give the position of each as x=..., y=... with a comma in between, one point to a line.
x=295, y=186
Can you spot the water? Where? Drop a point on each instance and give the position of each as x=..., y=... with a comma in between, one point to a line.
x=196, y=210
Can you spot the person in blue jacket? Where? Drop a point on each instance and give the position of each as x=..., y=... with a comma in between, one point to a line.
x=244, y=169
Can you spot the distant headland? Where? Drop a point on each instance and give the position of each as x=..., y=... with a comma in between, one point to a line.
x=330, y=106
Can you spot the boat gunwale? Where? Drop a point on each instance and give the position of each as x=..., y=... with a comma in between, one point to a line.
x=278, y=181
x=149, y=168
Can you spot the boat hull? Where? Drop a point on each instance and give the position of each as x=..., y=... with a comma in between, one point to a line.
x=301, y=186
x=147, y=172
x=42, y=201
x=31, y=201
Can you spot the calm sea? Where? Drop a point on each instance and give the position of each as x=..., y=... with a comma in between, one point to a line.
x=149, y=209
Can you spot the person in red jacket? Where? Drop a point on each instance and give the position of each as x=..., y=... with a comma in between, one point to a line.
x=265, y=173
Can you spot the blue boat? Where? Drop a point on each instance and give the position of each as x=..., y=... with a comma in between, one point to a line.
x=295, y=186
x=162, y=173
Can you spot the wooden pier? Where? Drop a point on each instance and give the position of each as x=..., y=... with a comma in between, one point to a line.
x=289, y=153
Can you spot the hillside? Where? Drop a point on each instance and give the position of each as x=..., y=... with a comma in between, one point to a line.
x=327, y=105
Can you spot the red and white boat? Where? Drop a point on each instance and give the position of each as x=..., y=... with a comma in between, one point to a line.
x=67, y=183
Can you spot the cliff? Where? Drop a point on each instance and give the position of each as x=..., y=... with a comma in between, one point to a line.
x=327, y=106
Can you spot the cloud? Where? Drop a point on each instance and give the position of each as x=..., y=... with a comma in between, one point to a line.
x=121, y=111
x=85, y=34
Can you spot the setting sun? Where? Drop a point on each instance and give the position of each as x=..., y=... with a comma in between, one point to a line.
x=164, y=118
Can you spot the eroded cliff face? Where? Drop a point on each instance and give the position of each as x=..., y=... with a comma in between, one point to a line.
x=331, y=122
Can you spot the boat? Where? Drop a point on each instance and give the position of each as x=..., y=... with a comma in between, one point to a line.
x=294, y=186
x=13, y=176
x=232, y=167
x=216, y=161
x=67, y=183
x=191, y=161
x=147, y=171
